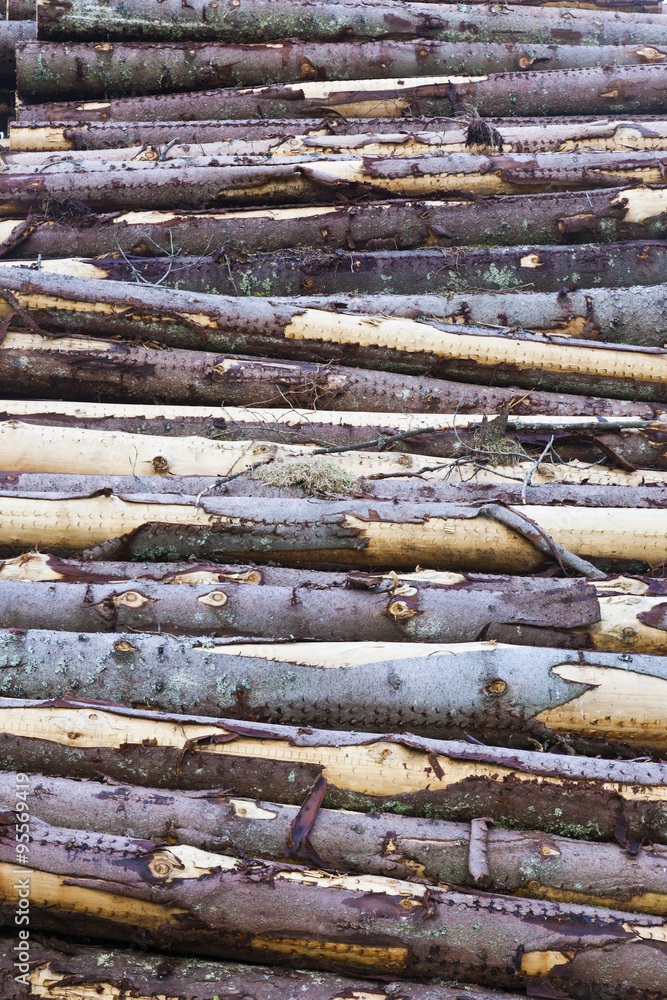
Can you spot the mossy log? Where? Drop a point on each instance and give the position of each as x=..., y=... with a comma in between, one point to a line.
x=326, y=533
x=519, y=863
x=573, y=796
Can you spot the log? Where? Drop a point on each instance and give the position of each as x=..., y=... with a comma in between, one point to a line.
x=323, y=533
x=179, y=897
x=93, y=70
x=137, y=20
x=447, y=435
x=586, y=90
x=386, y=272
x=32, y=364
x=11, y=33
x=551, y=361
x=573, y=796
x=520, y=135
x=520, y=863
x=21, y=10
x=521, y=695
x=148, y=185
x=34, y=447
x=60, y=963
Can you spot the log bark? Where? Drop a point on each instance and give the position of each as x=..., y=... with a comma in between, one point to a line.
x=326, y=534
x=572, y=796
x=575, y=438
x=520, y=863
x=520, y=135
x=387, y=272
x=21, y=10
x=11, y=33
x=114, y=370
x=178, y=897
x=61, y=963
x=519, y=695
x=588, y=90
x=148, y=185
x=90, y=20
x=551, y=361
x=90, y=70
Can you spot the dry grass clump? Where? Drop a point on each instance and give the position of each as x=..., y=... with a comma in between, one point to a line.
x=311, y=474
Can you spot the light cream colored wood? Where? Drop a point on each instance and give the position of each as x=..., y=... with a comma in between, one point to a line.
x=338, y=655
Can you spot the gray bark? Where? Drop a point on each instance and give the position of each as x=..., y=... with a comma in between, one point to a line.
x=11, y=33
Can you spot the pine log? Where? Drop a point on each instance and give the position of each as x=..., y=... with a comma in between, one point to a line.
x=519, y=135
x=79, y=969
x=385, y=272
x=581, y=797
x=324, y=533
x=21, y=10
x=148, y=185
x=179, y=897
x=520, y=863
x=138, y=20
x=550, y=361
x=32, y=364
x=11, y=33
x=587, y=90
x=92, y=70
x=508, y=695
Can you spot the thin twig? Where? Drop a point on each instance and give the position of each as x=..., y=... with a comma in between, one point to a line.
x=536, y=464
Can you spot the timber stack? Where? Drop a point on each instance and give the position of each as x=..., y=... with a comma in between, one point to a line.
x=333, y=500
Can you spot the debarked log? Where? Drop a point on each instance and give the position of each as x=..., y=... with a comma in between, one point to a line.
x=59, y=964
x=574, y=796
x=325, y=533
x=182, y=898
x=122, y=370
x=83, y=70
x=587, y=90
x=509, y=695
x=137, y=20
x=519, y=863
x=289, y=328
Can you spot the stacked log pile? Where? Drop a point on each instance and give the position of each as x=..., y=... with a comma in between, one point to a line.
x=333, y=500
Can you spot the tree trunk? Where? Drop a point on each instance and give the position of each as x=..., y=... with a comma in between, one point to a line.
x=573, y=796
x=114, y=370
x=324, y=533
x=390, y=272
x=66, y=965
x=202, y=183
x=88, y=70
x=11, y=33
x=509, y=695
x=588, y=90
x=21, y=10
x=181, y=898
x=525, y=864
x=278, y=329
x=138, y=20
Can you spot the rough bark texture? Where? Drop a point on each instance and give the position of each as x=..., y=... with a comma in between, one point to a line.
x=520, y=863
x=506, y=695
x=286, y=914
x=86, y=70
x=590, y=90
x=117, y=370
x=12, y=32
x=71, y=966
x=573, y=796
x=90, y=20
x=327, y=534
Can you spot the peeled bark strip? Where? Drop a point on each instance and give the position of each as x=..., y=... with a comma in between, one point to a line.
x=466, y=353
x=520, y=863
x=573, y=796
x=138, y=20
x=70, y=966
x=589, y=90
x=114, y=370
x=505, y=694
x=148, y=185
x=390, y=272
x=11, y=33
x=323, y=533
x=92, y=70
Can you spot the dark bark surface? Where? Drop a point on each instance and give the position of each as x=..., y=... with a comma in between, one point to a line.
x=12, y=32
x=520, y=863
